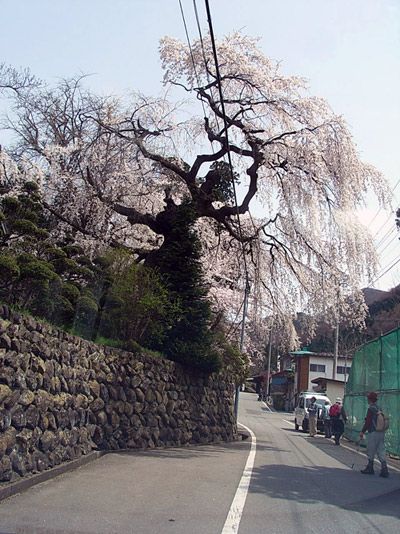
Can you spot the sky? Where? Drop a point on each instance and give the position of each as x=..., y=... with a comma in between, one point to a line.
x=349, y=50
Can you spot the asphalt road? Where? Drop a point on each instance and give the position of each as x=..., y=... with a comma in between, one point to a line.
x=305, y=485
x=297, y=485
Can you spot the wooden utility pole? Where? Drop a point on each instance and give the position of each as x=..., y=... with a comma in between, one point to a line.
x=336, y=338
x=269, y=361
x=245, y=303
x=336, y=349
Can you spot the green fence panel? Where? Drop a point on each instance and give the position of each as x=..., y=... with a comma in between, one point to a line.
x=372, y=362
x=375, y=367
x=390, y=361
x=356, y=408
x=389, y=402
x=356, y=381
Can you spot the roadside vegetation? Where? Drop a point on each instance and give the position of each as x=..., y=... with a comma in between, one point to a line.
x=109, y=298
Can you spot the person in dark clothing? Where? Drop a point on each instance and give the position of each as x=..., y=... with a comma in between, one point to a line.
x=338, y=418
x=327, y=420
x=376, y=439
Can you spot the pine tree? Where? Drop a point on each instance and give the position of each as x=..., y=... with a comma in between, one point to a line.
x=188, y=339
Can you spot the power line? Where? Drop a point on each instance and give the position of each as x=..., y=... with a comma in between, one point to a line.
x=201, y=38
x=390, y=242
x=380, y=209
x=383, y=225
x=191, y=54
x=221, y=96
x=203, y=52
x=388, y=234
x=244, y=302
x=396, y=261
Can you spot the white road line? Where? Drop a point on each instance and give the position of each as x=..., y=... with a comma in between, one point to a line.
x=290, y=422
x=236, y=510
x=266, y=405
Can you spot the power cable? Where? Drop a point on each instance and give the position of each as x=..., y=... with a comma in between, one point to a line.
x=383, y=225
x=216, y=118
x=203, y=51
x=218, y=77
x=380, y=209
x=201, y=38
x=390, y=242
x=384, y=238
x=191, y=54
x=388, y=268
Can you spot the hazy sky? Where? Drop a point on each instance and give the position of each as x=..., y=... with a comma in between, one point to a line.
x=348, y=49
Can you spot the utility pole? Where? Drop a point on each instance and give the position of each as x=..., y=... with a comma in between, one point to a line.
x=336, y=338
x=269, y=361
x=245, y=303
x=336, y=349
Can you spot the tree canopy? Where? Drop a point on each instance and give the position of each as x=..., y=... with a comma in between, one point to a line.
x=118, y=171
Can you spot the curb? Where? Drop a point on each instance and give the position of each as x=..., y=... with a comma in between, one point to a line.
x=243, y=434
x=24, y=484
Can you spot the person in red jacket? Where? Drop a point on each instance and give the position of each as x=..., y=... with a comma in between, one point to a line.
x=338, y=419
x=376, y=440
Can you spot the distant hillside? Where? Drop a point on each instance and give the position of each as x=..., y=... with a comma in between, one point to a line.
x=384, y=313
x=383, y=316
x=373, y=295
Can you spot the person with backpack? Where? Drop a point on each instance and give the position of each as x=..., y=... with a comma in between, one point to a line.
x=376, y=436
x=338, y=418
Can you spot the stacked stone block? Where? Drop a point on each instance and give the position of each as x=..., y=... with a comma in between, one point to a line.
x=62, y=397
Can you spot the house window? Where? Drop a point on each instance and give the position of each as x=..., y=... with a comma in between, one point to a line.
x=342, y=370
x=317, y=368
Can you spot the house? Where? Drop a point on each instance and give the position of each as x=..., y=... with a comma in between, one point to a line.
x=330, y=387
x=310, y=365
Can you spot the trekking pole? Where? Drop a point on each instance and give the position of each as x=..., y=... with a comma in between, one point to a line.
x=357, y=450
x=358, y=443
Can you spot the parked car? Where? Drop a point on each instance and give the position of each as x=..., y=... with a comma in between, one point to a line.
x=301, y=410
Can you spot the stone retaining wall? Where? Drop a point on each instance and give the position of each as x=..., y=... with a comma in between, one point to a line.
x=62, y=397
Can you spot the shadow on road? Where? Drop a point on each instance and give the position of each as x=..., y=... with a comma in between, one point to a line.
x=186, y=453
x=261, y=446
x=329, y=485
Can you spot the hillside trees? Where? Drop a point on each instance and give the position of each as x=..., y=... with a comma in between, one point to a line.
x=120, y=173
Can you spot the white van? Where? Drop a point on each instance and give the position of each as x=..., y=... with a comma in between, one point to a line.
x=301, y=410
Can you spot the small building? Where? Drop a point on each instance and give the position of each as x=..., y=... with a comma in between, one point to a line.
x=310, y=365
x=329, y=387
x=282, y=390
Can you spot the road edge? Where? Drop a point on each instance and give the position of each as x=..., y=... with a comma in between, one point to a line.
x=25, y=483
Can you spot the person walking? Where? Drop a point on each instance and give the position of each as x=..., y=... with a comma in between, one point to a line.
x=376, y=439
x=327, y=420
x=312, y=417
x=338, y=418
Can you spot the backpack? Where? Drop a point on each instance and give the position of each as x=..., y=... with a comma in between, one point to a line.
x=334, y=410
x=382, y=422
